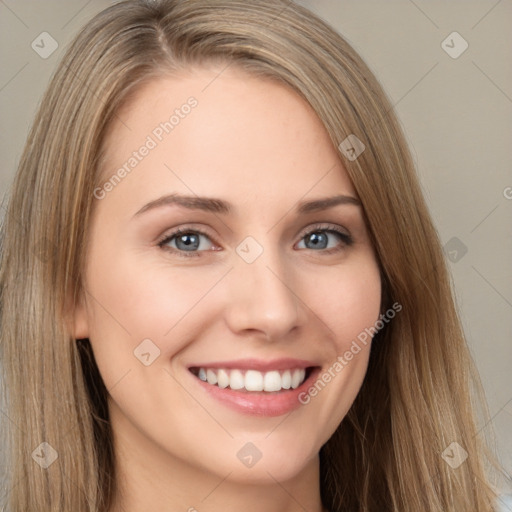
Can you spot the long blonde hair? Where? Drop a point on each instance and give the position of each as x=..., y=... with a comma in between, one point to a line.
x=386, y=455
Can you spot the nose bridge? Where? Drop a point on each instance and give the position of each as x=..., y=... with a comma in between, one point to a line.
x=261, y=292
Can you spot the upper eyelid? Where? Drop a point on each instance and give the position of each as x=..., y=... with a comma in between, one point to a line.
x=323, y=226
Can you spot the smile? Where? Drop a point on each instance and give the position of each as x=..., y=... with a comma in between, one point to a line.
x=252, y=380
x=257, y=387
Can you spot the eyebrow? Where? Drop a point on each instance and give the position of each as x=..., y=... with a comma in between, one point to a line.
x=214, y=205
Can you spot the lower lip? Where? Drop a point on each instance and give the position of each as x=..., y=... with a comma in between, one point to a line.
x=259, y=403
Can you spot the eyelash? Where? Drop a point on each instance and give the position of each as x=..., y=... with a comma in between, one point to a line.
x=329, y=228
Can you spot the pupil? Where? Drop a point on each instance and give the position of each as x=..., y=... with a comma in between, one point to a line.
x=189, y=240
x=317, y=239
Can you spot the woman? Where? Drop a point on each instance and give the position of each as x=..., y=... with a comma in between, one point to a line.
x=175, y=334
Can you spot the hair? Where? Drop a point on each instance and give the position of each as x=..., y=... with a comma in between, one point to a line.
x=418, y=394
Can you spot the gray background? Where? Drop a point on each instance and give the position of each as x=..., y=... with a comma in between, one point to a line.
x=456, y=113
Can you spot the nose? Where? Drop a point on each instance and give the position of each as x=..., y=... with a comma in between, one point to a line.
x=262, y=297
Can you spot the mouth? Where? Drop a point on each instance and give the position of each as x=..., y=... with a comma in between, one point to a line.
x=256, y=387
x=253, y=381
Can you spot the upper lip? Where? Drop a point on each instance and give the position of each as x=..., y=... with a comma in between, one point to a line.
x=258, y=364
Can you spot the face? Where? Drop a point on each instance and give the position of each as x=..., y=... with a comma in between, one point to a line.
x=213, y=339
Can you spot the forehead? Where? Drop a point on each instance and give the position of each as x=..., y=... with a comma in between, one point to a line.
x=214, y=132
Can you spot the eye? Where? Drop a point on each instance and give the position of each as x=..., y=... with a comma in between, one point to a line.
x=185, y=242
x=324, y=238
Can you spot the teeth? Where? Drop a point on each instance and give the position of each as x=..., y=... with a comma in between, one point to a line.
x=252, y=380
x=211, y=376
x=272, y=381
x=286, y=380
x=296, y=379
x=223, y=379
x=236, y=380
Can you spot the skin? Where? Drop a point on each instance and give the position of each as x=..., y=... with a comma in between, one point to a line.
x=261, y=147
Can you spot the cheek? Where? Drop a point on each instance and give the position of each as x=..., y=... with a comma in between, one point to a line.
x=348, y=302
x=144, y=298
x=348, y=299
x=353, y=313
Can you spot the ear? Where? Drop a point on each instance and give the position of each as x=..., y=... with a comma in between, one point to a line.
x=78, y=320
